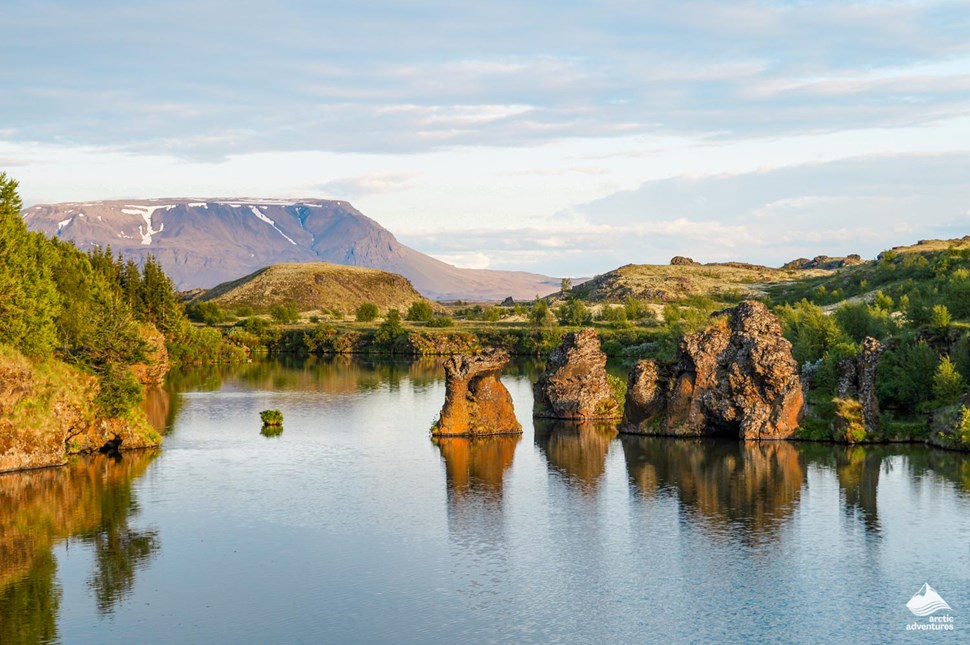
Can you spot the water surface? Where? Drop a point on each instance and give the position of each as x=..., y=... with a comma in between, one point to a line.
x=352, y=525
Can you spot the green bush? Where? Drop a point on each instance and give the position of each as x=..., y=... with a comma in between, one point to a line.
x=390, y=328
x=420, y=310
x=441, y=321
x=286, y=313
x=271, y=417
x=119, y=393
x=367, y=312
x=948, y=384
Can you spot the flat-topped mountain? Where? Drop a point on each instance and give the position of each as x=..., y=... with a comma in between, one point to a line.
x=316, y=285
x=201, y=243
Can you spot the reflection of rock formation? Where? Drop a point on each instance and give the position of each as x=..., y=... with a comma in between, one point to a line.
x=476, y=464
x=476, y=402
x=858, y=469
x=737, y=378
x=92, y=500
x=157, y=405
x=475, y=470
x=729, y=483
x=577, y=449
x=575, y=384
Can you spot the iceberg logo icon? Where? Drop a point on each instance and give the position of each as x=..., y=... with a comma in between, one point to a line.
x=926, y=601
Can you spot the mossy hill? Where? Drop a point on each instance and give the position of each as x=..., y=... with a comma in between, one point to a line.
x=667, y=283
x=314, y=286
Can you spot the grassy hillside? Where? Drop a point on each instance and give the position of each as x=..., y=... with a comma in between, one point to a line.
x=314, y=286
x=667, y=283
x=931, y=270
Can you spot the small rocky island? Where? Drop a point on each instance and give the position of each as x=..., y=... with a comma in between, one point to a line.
x=476, y=401
x=736, y=378
x=575, y=384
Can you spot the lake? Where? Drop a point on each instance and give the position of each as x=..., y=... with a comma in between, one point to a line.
x=353, y=526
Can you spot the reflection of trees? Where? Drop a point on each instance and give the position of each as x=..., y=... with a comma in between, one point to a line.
x=577, y=449
x=730, y=483
x=28, y=609
x=91, y=499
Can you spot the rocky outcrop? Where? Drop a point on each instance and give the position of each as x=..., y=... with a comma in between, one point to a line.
x=476, y=401
x=151, y=373
x=825, y=262
x=508, y=302
x=575, y=384
x=47, y=412
x=857, y=405
x=679, y=260
x=736, y=378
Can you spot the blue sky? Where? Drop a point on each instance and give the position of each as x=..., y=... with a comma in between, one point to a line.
x=562, y=137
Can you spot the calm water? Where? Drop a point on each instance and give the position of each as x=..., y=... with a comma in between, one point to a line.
x=353, y=526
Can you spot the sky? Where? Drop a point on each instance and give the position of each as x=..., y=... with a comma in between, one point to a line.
x=561, y=137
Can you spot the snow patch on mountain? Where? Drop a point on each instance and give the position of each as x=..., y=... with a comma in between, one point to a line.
x=258, y=213
x=146, y=213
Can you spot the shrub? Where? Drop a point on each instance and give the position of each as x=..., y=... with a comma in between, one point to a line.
x=271, y=417
x=618, y=386
x=849, y=422
x=948, y=384
x=367, y=312
x=441, y=321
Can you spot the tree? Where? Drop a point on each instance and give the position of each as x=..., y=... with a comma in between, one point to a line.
x=574, y=313
x=366, y=312
x=390, y=328
x=948, y=384
x=285, y=313
x=420, y=310
x=940, y=320
x=540, y=316
x=29, y=301
x=566, y=285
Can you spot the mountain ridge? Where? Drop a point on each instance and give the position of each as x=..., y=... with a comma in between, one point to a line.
x=201, y=242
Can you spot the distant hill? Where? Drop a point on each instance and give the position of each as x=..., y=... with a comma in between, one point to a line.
x=664, y=283
x=314, y=286
x=203, y=242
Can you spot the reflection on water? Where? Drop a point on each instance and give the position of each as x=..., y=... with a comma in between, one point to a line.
x=744, y=486
x=476, y=465
x=349, y=526
x=89, y=502
x=857, y=468
x=475, y=472
x=576, y=449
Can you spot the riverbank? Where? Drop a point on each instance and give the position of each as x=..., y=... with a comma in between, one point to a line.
x=49, y=411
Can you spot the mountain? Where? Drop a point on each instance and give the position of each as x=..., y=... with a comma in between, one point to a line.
x=201, y=243
x=315, y=286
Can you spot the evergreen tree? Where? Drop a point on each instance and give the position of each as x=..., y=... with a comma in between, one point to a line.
x=28, y=298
